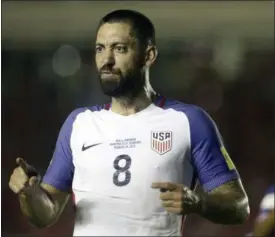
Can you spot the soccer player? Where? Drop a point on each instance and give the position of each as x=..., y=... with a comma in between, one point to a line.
x=264, y=224
x=132, y=165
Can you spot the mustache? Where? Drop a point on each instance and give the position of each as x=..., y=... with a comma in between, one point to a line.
x=108, y=69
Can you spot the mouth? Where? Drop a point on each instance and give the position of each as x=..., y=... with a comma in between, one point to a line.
x=107, y=74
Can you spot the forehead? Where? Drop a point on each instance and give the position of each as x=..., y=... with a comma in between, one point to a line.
x=117, y=31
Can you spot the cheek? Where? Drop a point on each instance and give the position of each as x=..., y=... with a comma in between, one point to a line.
x=97, y=62
x=126, y=64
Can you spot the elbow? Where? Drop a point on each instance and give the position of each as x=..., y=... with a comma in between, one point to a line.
x=242, y=214
x=246, y=214
x=38, y=225
x=41, y=224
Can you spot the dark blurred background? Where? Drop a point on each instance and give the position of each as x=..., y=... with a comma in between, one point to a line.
x=218, y=55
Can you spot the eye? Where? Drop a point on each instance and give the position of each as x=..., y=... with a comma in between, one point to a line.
x=98, y=49
x=121, y=49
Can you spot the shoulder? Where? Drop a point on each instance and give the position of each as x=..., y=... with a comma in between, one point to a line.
x=270, y=190
x=81, y=113
x=83, y=110
x=268, y=199
x=202, y=127
x=196, y=115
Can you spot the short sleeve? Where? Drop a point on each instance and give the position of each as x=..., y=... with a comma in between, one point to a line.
x=209, y=157
x=61, y=169
x=267, y=203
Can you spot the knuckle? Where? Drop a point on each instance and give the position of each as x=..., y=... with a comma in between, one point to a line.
x=13, y=188
x=180, y=196
x=21, y=171
x=21, y=186
x=10, y=184
x=174, y=195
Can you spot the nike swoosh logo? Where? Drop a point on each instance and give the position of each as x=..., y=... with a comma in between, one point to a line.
x=84, y=148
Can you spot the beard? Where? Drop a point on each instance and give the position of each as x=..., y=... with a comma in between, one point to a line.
x=119, y=85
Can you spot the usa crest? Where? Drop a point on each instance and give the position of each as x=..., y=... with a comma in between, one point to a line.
x=161, y=142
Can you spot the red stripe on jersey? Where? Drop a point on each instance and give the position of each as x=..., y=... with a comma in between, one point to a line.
x=162, y=102
x=107, y=106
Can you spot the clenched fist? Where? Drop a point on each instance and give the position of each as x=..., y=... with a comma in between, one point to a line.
x=176, y=198
x=23, y=176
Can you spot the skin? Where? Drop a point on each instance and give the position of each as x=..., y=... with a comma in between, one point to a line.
x=117, y=47
x=226, y=204
x=40, y=202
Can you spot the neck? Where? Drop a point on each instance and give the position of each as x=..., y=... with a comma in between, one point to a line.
x=131, y=105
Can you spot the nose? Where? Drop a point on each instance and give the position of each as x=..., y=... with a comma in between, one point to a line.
x=109, y=58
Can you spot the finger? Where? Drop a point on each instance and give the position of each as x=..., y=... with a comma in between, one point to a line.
x=175, y=210
x=16, y=187
x=33, y=181
x=20, y=173
x=175, y=195
x=167, y=204
x=23, y=164
x=18, y=176
x=29, y=170
x=167, y=195
x=171, y=204
x=164, y=185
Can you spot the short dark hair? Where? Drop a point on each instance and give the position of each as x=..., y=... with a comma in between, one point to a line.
x=142, y=26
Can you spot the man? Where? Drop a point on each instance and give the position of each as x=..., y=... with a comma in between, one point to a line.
x=132, y=165
x=264, y=224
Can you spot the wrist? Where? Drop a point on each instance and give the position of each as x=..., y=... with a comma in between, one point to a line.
x=193, y=202
x=199, y=204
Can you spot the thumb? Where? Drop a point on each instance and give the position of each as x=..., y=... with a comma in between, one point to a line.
x=33, y=181
x=23, y=164
x=29, y=170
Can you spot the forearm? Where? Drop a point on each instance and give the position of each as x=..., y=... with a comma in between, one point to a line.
x=38, y=206
x=223, y=208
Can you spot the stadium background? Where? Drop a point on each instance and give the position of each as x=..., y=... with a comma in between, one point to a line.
x=218, y=55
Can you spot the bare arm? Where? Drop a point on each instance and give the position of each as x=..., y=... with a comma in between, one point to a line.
x=226, y=204
x=43, y=204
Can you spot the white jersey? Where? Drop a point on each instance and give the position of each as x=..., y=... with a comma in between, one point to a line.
x=110, y=162
x=266, y=205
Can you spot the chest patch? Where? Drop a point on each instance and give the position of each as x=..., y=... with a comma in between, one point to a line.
x=161, y=142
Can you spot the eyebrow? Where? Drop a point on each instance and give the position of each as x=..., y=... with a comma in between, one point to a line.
x=113, y=44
